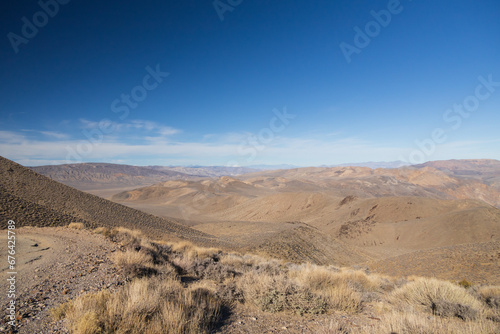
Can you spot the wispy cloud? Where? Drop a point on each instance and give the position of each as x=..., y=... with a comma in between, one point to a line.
x=159, y=147
x=135, y=126
x=11, y=137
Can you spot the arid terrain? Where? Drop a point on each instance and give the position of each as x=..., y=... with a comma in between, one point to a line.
x=437, y=220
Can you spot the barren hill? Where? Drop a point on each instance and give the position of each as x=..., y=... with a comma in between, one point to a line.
x=383, y=212
x=105, y=179
x=486, y=170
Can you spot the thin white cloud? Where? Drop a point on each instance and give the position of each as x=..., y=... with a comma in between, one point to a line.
x=11, y=137
x=53, y=134
x=149, y=126
x=224, y=149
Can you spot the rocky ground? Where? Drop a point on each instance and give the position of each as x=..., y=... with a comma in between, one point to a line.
x=54, y=265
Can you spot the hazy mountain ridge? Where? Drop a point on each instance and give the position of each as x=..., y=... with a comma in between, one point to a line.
x=207, y=171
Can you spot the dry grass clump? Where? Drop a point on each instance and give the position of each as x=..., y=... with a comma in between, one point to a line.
x=145, y=261
x=126, y=237
x=76, y=226
x=439, y=297
x=412, y=322
x=141, y=257
x=108, y=233
x=59, y=312
x=243, y=262
x=190, y=250
x=343, y=289
x=321, y=278
x=145, y=306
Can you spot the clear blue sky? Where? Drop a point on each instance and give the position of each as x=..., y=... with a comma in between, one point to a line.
x=233, y=68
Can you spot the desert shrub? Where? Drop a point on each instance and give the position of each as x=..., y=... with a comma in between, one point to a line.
x=208, y=268
x=147, y=305
x=106, y=232
x=138, y=264
x=76, y=226
x=440, y=297
x=125, y=237
x=464, y=284
x=276, y=293
x=230, y=293
x=445, y=308
x=490, y=295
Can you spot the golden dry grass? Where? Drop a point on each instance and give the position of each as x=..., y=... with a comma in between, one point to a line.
x=426, y=292
x=188, y=249
x=76, y=226
x=145, y=306
x=132, y=258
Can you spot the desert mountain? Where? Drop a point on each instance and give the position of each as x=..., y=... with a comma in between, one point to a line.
x=374, y=164
x=385, y=212
x=105, y=179
x=33, y=199
x=207, y=171
x=96, y=176
x=485, y=170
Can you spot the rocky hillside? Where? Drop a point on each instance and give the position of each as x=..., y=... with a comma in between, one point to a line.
x=33, y=199
x=94, y=175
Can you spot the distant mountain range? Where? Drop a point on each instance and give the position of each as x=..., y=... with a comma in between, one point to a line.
x=374, y=165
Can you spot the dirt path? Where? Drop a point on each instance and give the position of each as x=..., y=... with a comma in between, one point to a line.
x=53, y=265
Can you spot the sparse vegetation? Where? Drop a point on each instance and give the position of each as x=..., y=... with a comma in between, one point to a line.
x=156, y=301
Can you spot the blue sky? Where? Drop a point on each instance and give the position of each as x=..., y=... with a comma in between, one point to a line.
x=249, y=82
